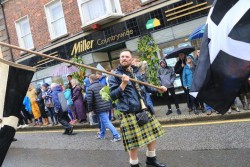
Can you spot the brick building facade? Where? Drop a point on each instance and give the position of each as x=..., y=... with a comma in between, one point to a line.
x=15, y=10
x=178, y=19
x=4, y=37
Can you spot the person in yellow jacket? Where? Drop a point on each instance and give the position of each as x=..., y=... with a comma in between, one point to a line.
x=34, y=106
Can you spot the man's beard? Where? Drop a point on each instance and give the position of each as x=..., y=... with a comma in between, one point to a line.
x=126, y=66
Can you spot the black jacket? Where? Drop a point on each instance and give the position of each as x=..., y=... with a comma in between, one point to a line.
x=40, y=100
x=94, y=99
x=178, y=69
x=128, y=100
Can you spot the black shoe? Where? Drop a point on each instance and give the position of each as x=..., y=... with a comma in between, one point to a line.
x=178, y=111
x=196, y=112
x=152, y=161
x=66, y=132
x=169, y=112
x=70, y=130
x=14, y=139
x=209, y=112
x=244, y=106
x=137, y=165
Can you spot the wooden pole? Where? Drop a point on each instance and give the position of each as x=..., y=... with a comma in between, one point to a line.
x=1, y=54
x=73, y=63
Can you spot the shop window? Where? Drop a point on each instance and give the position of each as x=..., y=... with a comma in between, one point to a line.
x=132, y=25
x=24, y=34
x=55, y=19
x=109, y=31
x=160, y=16
x=93, y=11
x=171, y=62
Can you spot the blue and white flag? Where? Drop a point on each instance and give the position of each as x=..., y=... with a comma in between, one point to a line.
x=224, y=62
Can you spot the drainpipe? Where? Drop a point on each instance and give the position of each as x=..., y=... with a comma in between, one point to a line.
x=7, y=32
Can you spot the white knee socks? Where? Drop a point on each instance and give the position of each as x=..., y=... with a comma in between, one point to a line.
x=150, y=153
x=134, y=162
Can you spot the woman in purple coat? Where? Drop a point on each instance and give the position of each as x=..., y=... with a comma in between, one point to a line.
x=77, y=98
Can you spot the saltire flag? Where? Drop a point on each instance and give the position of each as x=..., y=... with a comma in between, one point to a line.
x=224, y=62
x=15, y=80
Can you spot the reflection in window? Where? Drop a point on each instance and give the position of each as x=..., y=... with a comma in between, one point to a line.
x=55, y=19
x=93, y=9
x=24, y=34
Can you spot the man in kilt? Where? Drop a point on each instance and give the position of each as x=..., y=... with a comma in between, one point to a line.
x=128, y=95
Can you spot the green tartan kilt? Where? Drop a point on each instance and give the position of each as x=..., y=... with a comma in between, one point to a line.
x=135, y=136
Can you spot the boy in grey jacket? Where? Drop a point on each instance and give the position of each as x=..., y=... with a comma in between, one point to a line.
x=166, y=77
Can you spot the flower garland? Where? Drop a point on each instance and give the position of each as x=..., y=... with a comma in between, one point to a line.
x=148, y=49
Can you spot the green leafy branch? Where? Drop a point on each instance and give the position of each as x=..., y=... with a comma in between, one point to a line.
x=80, y=74
x=105, y=94
x=148, y=49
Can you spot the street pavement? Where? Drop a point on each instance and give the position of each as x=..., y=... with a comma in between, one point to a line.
x=210, y=144
x=160, y=112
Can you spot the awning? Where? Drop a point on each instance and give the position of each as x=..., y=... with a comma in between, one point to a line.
x=64, y=69
x=153, y=23
x=198, y=33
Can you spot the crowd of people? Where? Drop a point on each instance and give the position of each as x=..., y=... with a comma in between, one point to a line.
x=69, y=104
x=41, y=101
x=185, y=67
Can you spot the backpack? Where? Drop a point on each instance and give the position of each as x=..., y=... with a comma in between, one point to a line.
x=62, y=101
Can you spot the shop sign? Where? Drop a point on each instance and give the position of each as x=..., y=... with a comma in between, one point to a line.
x=82, y=46
x=153, y=23
x=86, y=45
x=114, y=38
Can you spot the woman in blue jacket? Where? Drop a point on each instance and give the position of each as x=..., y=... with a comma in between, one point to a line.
x=187, y=78
x=68, y=97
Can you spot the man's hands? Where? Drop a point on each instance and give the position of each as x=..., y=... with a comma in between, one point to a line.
x=125, y=80
x=162, y=89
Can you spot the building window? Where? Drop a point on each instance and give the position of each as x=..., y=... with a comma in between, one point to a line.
x=55, y=19
x=132, y=25
x=144, y=2
x=24, y=34
x=92, y=11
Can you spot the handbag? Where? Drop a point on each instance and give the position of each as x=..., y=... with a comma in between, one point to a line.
x=141, y=116
x=49, y=103
x=63, y=102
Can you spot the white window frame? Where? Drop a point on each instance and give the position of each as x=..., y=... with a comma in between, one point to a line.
x=49, y=22
x=19, y=32
x=144, y=2
x=109, y=12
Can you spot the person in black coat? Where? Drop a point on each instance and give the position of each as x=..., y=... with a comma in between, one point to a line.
x=100, y=107
x=179, y=66
x=41, y=105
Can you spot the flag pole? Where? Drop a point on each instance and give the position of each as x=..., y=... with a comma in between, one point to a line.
x=74, y=63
